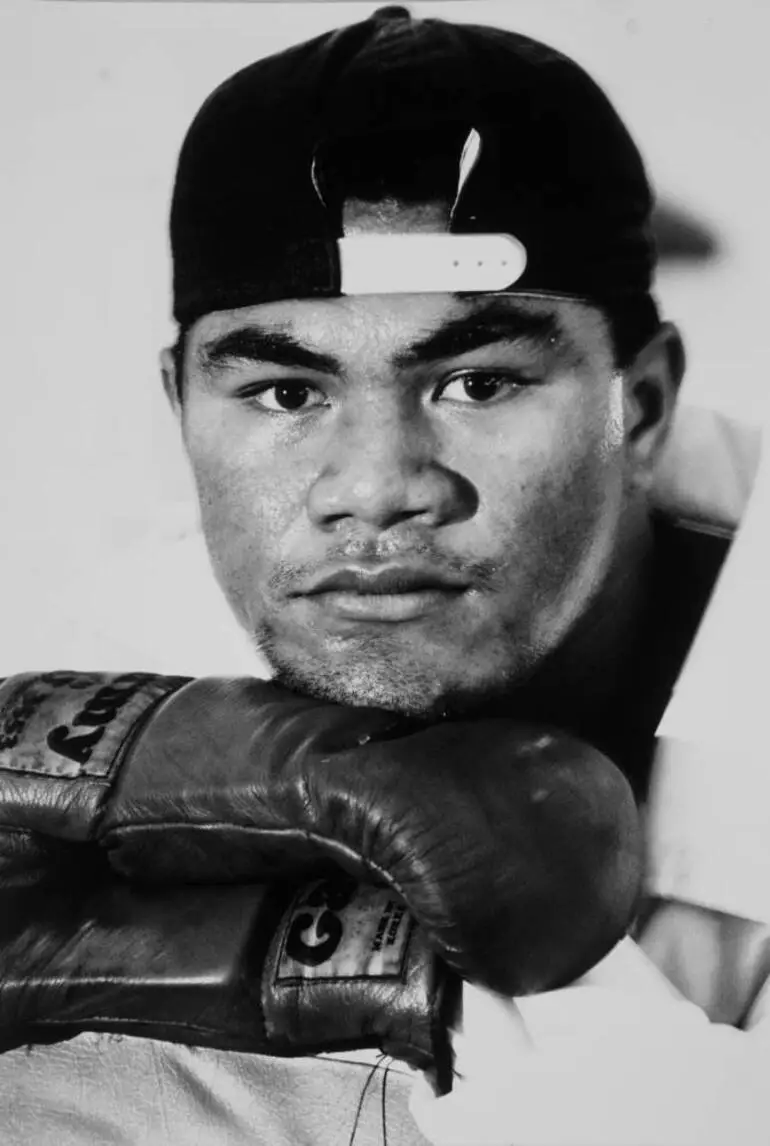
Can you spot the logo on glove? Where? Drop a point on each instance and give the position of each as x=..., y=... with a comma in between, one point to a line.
x=337, y=930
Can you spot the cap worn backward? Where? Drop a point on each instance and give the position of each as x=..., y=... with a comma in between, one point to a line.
x=257, y=208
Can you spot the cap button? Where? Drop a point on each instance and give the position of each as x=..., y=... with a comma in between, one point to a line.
x=392, y=12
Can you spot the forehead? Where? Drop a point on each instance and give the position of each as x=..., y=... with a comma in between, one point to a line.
x=399, y=327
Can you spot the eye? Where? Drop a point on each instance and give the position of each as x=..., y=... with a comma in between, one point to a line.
x=479, y=387
x=287, y=397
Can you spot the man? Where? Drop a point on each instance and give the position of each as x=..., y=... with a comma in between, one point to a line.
x=429, y=439
x=423, y=389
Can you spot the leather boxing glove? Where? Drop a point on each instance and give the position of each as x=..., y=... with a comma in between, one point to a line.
x=517, y=850
x=61, y=739
x=272, y=969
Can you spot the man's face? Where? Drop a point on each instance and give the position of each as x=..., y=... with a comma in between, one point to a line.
x=408, y=500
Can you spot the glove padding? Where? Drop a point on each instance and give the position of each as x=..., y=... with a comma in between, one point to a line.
x=517, y=850
x=271, y=969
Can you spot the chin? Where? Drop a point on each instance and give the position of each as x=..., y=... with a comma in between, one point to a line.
x=416, y=691
x=417, y=697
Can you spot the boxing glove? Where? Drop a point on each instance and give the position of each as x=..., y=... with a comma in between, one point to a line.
x=271, y=969
x=62, y=735
x=517, y=850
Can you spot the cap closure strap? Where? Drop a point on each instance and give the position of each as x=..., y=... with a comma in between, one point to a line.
x=426, y=263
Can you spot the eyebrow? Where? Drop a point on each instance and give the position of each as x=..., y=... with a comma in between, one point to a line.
x=256, y=344
x=492, y=322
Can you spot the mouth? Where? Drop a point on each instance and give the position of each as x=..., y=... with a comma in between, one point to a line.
x=389, y=594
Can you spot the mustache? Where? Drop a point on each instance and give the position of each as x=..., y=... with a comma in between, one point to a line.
x=480, y=573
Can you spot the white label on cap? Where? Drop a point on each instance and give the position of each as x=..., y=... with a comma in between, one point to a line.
x=468, y=160
x=427, y=263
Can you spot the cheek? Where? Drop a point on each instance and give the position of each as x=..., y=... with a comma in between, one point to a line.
x=553, y=488
x=247, y=505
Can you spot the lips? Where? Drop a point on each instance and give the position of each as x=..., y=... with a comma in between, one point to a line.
x=389, y=593
x=384, y=580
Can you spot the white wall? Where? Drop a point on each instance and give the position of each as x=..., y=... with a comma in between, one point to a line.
x=94, y=99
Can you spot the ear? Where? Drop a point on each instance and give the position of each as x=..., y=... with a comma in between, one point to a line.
x=172, y=384
x=651, y=385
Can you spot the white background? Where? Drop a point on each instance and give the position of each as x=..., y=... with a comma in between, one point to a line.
x=99, y=565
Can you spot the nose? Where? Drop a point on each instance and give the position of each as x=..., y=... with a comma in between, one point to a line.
x=381, y=467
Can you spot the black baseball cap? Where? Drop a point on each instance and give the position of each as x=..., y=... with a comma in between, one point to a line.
x=391, y=104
